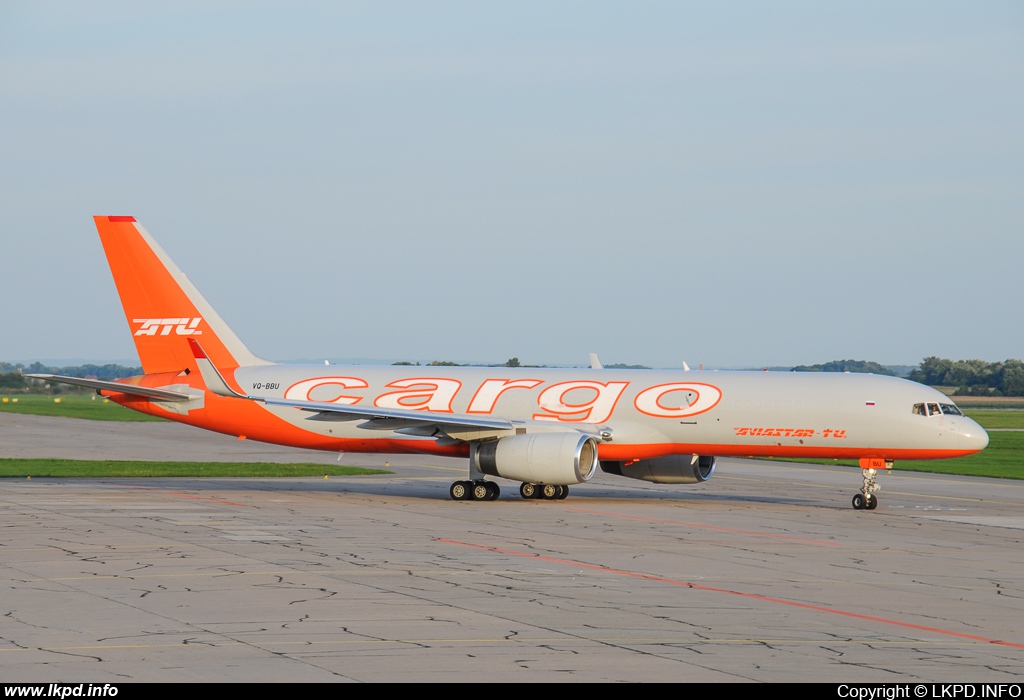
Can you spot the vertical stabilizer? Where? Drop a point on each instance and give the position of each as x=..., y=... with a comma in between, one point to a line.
x=162, y=307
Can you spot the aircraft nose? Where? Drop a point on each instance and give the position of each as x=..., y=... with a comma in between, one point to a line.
x=972, y=436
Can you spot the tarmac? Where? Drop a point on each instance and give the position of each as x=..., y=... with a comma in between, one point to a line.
x=764, y=573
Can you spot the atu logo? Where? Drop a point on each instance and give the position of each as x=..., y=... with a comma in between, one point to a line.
x=163, y=326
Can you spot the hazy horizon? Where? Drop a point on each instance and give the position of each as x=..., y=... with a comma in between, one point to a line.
x=733, y=184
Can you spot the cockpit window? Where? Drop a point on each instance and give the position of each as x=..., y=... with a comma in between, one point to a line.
x=936, y=409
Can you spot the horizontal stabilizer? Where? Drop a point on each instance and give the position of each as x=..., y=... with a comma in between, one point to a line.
x=148, y=392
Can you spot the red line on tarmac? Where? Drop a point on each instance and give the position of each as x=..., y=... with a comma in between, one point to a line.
x=183, y=495
x=710, y=527
x=751, y=596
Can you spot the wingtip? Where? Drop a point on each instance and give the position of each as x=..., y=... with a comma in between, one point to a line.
x=197, y=349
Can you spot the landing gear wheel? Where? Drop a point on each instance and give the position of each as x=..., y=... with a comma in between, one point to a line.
x=550, y=492
x=493, y=491
x=866, y=499
x=460, y=491
x=481, y=491
x=563, y=493
x=528, y=491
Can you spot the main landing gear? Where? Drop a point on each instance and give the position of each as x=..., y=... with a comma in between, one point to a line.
x=481, y=490
x=474, y=491
x=478, y=488
x=548, y=492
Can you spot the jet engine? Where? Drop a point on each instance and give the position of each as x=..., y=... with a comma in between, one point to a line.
x=675, y=469
x=540, y=458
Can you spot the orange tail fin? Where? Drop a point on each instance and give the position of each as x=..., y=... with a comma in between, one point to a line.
x=163, y=308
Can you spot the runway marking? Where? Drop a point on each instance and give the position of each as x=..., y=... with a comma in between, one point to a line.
x=708, y=527
x=182, y=495
x=347, y=575
x=912, y=494
x=201, y=645
x=751, y=596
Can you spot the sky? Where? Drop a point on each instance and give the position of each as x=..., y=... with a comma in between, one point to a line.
x=729, y=184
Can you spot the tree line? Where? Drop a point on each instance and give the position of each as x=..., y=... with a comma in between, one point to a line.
x=972, y=377
x=12, y=376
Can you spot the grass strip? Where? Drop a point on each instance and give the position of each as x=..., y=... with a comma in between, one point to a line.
x=95, y=469
x=87, y=406
x=1006, y=418
x=1002, y=459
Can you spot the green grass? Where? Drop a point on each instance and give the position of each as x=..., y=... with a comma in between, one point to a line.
x=88, y=406
x=1003, y=459
x=997, y=419
x=21, y=468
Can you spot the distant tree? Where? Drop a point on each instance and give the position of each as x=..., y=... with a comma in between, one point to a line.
x=931, y=372
x=443, y=363
x=512, y=362
x=12, y=380
x=972, y=377
x=860, y=366
x=1013, y=378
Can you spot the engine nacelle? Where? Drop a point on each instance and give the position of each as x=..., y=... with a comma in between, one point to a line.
x=675, y=469
x=540, y=458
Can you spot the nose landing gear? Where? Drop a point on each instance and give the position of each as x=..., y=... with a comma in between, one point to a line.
x=865, y=502
x=866, y=499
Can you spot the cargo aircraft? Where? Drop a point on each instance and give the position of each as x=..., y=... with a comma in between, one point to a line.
x=546, y=428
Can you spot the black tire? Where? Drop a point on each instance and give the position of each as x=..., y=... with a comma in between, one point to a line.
x=859, y=501
x=872, y=502
x=459, y=491
x=480, y=491
x=528, y=491
x=493, y=491
x=549, y=491
x=564, y=493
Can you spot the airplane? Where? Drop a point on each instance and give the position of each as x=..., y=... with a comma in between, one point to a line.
x=546, y=428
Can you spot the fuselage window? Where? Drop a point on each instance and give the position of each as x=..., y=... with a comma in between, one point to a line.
x=951, y=410
x=919, y=410
x=934, y=410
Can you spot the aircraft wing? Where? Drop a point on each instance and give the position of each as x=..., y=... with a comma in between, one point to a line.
x=387, y=418
x=447, y=426
x=148, y=392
